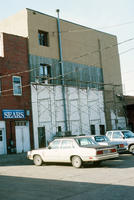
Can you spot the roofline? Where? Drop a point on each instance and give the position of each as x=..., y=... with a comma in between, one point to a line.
x=70, y=22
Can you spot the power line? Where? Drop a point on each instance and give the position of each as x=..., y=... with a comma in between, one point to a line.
x=89, y=29
x=74, y=58
x=54, y=78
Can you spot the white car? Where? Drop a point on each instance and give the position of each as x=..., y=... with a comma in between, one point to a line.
x=125, y=136
x=75, y=150
x=104, y=140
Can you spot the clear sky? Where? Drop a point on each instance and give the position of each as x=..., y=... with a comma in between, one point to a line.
x=114, y=17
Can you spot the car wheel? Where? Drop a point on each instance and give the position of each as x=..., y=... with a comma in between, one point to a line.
x=131, y=149
x=37, y=160
x=76, y=161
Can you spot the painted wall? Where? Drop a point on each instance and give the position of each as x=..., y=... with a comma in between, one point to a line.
x=84, y=107
x=117, y=121
x=74, y=74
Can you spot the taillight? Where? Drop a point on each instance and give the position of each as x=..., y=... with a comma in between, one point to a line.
x=113, y=150
x=99, y=152
x=121, y=145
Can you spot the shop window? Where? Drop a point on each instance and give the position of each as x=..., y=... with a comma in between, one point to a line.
x=45, y=73
x=43, y=38
x=92, y=129
x=17, y=87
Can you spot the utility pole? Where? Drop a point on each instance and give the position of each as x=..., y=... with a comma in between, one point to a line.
x=62, y=70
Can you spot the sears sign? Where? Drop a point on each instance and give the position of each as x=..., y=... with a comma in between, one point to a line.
x=13, y=114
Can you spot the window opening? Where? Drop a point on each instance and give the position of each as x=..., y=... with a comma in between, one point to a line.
x=17, y=87
x=45, y=73
x=43, y=38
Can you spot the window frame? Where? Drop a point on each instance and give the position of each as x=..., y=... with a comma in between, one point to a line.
x=14, y=93
x=44, y=39
x=45, y=76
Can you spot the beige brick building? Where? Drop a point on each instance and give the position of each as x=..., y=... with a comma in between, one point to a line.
x=90, y=57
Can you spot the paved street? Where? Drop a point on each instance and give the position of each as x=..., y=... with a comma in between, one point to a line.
x=21, y=180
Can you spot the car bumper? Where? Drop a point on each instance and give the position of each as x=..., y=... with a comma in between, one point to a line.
x=29, y=156
x=101, y=158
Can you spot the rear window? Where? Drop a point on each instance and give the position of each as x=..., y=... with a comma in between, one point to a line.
x=101, y=139
x=85, y=141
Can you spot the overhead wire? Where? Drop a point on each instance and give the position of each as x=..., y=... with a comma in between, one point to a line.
x=89, y=29
x=74, y=58
x=60, y=76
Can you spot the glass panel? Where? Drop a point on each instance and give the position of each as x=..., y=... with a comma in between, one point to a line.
x=66, y=144
x=117, y=135
x=17, y=86
x=55, y=144
x=85, y=141
x=43, y=38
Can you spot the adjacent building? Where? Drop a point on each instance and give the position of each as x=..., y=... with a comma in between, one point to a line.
x=15, y=95
x=75, y=76
x=129, y=108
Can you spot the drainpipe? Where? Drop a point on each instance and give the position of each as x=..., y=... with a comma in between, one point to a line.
x=61, y=70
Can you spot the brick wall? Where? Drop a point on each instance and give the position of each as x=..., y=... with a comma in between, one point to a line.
x=15, y=60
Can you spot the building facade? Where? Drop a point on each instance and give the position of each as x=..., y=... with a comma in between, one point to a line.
x=73, y=58
x=15, y=96
x=129, y=108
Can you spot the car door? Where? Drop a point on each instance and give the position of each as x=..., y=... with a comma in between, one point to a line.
x=66, y=150
x=52, y=153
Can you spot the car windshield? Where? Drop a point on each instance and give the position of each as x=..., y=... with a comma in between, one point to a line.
x=128, y=134
x=101, y=139
x=85, y=141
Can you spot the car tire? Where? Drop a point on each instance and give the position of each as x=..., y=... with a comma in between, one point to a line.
x=37, y=160
x=131, y=149
x=76, y=161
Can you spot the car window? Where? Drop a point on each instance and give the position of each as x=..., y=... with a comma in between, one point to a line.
x=55, y=144
x=99, y=139
x=109, y=134
x=117, y=135
x=66, y=144
x=128, y=134
x=85, y=141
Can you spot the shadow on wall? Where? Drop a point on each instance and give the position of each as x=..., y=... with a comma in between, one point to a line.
x=16, y=188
